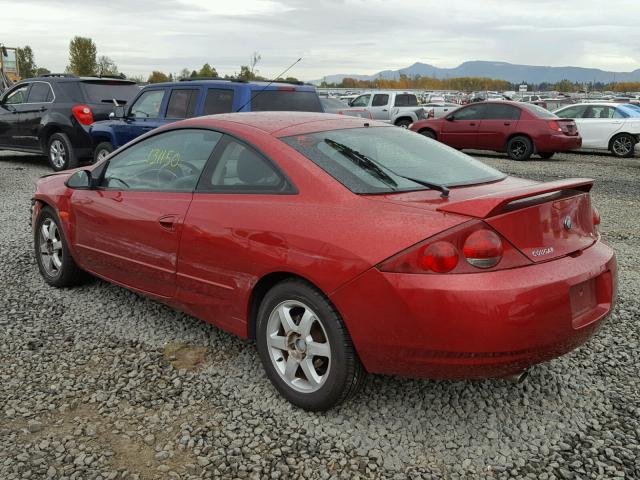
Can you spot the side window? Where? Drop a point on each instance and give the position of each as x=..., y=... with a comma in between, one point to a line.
x=40, y=93
x=361, y=101
x=406, y=100
x=19, y=95
x=380, y=100
x=148, y=104
x=599, y=111
x=474, y=112
x=170, y=161
x=501, y=112
x=239, y=168
x=218, y=101
x=619, y=113
x=182, y=103
x=572, y=112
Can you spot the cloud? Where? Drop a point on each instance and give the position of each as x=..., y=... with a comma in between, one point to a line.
x=348, y=36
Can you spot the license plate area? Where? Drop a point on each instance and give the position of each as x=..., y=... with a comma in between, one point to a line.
x=584, y=299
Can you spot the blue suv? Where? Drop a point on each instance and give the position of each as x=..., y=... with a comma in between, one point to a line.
x=161, y=103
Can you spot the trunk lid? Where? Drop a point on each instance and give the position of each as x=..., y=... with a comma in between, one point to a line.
x=544, y=221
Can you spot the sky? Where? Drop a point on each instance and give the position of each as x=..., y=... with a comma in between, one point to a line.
x=331, y=36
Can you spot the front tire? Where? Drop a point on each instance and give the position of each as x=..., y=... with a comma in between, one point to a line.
x=55, y=263
x=60, y=152
x=102, y=150
x=305, y=348
x=623, y=145
x=428, y=133
x=519, y=148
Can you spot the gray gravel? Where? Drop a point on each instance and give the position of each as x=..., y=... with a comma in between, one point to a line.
x=100, y=383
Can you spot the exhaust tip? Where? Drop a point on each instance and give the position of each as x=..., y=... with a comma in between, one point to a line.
x=518, y=377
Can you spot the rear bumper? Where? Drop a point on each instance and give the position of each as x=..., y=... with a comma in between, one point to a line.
x=480, y=325
x=559, y=143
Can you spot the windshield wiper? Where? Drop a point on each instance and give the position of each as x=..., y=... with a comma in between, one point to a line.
x=373, y=167
x=362, y=161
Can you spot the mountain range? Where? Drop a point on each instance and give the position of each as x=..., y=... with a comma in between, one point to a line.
x=513, y=73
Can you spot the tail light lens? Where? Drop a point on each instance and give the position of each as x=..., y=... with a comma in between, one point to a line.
x=83, y=114
x=596, y=216
x=555, y=126
x=467, y=248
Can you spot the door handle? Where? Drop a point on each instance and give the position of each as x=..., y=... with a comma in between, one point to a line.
x=472, y=124
x=147, y=128
x=507, y=123
x=385, y=110
x=42, y=109
x=168, y=222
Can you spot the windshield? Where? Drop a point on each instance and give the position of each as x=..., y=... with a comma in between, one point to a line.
x=379, y=160
x=631, y=109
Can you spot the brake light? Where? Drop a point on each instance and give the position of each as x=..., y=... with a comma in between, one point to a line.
x=83, y=114
x=482, y=248
x=596, y=216
x=440, y=257
x=287, y=89
x=553, y=125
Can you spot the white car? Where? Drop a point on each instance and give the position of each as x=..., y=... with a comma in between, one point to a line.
x=438, y=110
x=606, y=126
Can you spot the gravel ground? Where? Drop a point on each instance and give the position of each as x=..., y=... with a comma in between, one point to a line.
x=100, y=383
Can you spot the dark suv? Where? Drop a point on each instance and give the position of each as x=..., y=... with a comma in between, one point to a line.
x=52, y=114
x=161, y=103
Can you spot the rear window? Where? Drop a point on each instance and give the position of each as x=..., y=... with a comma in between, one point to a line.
x=182, y=103
x=285, y=100
x=538, y=111
x=406, y=100
x=375, y=159
x=100, y=91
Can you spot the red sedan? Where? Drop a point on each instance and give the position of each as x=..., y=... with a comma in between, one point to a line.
x=340, y=245
x=520, y=129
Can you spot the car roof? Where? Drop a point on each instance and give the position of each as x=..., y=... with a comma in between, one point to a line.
x=594, y=104
x=226, y=81
x=73, y=78
x=282, y=124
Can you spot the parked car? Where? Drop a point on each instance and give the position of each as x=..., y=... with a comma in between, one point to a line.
x=161, y=103
x=52, y=114
x=606, y=126
x=340, y=246
x=334, y=105
x=398, y=108
x=439, y=110
x=520, y=129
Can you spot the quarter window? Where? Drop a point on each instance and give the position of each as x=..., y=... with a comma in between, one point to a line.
x=182, y=103
x=239, y=168
x=406, y=100
x=19, y=95
x=171, y=161
x=40, y=93
x=218, y=101
x=148, y=104
x=380, y=100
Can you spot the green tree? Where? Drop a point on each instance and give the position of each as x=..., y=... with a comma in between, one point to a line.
x=207, y=71
x=82, y=56
x=246, y=73
x=106, y=66
x=564, y=86
x=42, y=71
x=26, y=64
x=157, y=77
x=194, y=74
x=184, y=73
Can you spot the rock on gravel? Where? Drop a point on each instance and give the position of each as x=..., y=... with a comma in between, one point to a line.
x=88, y=389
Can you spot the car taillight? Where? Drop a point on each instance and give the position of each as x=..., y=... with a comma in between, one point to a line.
x=467, y=248
x=483, y=249
x=596, y=216
x=553, y=125
x=83, y=114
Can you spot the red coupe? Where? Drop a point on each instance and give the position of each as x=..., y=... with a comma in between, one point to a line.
x=340, y=245
x=520, y=129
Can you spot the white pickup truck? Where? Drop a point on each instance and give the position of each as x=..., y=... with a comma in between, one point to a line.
x=399, y=108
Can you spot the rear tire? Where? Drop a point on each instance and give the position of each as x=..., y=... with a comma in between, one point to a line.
x=623, y=145
x=546, y=155
x=403, y=122
x=428, y=133
x=60, y=152
x=56, y=265
x=519, y=148
x=305, y=348
x=102, y=150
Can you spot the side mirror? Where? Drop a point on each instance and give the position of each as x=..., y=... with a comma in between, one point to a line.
x=81, y=179
x=118, y=112
x=450, y=118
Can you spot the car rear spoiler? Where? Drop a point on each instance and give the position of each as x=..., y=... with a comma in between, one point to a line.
x=489, y=205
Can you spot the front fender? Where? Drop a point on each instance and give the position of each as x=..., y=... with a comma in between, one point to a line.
x=103, y=131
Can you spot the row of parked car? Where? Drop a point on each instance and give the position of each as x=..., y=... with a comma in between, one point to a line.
x=73, y=118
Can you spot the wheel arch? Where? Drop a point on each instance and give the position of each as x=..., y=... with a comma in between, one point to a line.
x=430, y=130
x=403, y=117
x=617, y=134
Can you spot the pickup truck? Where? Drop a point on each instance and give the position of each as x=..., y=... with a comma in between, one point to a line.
x=161, y=103
x=399, y=108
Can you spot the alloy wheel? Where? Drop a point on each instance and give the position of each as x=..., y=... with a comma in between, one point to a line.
x=50, y=241
x=58, y=153
x=518, y=149
x=102, y=154
x=622, y=146
x=298, y=346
